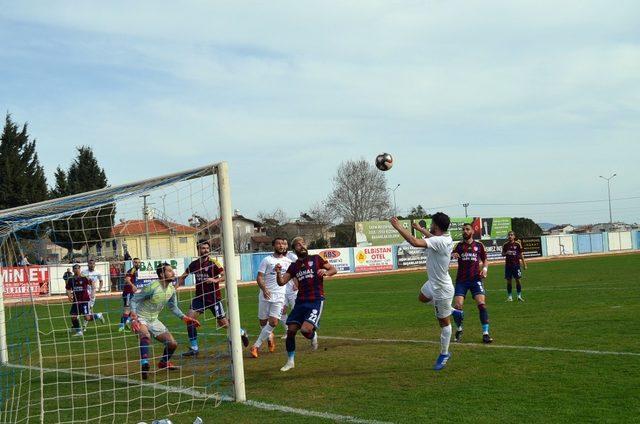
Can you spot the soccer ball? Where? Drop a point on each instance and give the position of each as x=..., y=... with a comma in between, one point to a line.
x=384, y=161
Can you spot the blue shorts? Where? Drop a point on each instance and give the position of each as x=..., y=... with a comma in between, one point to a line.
x=306, y=312
x=126, y=299
x=79, y=308
x=511, y=272
x=202, y=303
x=475, y=287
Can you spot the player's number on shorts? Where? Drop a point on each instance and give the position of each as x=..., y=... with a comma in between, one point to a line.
x=480, y=285
x=314, y=315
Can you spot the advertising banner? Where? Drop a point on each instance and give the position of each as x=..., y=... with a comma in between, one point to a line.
x=340, y=258
x=379, y=233
x=373, y=258
x=495, y=228
x=408, y=256
x=147, y=272
x=483, y=228
x=22, y=281
x=532, y=247
x=494, y=249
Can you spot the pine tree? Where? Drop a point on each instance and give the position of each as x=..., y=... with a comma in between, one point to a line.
x=22, y=179
x=89, y=228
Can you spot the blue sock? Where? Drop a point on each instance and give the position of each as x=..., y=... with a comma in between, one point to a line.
x=144, y=349
x=485, y=328
x=458, y=317
x=519, y=289
x=144, y=361
x=291, y=346
x=193, y=336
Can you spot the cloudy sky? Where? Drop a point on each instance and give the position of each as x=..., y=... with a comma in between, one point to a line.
x=496, y=103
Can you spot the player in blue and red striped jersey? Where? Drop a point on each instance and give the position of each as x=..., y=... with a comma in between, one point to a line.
x=309, y=272
x=79, y=293
x=513, y=254
x=472, y=268
x=128, y=290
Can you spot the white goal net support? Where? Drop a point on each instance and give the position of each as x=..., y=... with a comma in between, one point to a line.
x=64, y=365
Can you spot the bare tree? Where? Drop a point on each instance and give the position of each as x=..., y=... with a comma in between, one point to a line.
x=273, y=221
x=359, y=192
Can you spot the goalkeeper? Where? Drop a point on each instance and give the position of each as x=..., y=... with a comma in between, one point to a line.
x=146, y=305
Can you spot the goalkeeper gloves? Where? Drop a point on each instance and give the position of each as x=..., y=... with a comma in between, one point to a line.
x=188, y=320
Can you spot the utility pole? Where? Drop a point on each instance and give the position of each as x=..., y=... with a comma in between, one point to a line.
x=609, y=194
x=145, y=211
x=395, y=209
x=466, y=205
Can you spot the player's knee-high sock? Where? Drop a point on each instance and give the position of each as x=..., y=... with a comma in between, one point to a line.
x=445, y=339
x=291, y=346
x=75, y=323
x=484, y=318
x=518, y=288
x=169, y=348
x=144, y=349
x=264, y=335
x=458, y=317
x=509, y=288
x=193, y=336
x=123, y=319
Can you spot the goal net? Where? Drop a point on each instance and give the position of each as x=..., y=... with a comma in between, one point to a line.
x=66, y=361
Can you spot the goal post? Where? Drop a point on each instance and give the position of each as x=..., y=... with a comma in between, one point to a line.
x=47, y=374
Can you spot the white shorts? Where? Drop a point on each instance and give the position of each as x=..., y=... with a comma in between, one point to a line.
x=442, y=307
x=290, y=300
x=91, y=303
x=155, y=327
x=268, y=309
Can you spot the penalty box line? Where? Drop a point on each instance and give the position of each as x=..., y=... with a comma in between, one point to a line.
x=492, y=346
x=200, y=395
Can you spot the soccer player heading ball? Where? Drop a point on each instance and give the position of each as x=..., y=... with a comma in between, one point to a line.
x=309, y=271
x=438, y=290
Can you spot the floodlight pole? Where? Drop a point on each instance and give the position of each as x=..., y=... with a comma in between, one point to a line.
x=395, y=209
x=608, y=180
x=145, y=211
x=466, y=205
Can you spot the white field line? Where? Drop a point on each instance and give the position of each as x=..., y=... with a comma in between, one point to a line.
x=488, y=346
x=216, y=397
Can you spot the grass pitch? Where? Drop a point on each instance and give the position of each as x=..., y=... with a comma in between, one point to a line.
x=570, y=352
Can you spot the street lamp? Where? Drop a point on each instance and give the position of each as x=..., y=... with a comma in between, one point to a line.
x=395, y=209
x=466, y=205
x=609, y=193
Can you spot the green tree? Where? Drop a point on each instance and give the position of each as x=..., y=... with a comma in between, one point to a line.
x=87, y=228
x=22, y=179
x=525, y=227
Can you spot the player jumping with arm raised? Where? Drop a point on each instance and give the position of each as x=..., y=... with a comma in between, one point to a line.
x=438, y=290
x=472, y=268
x=146, y=305
x=309, y=271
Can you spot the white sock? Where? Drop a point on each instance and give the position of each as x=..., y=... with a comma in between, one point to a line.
x=445, y=339
x=264, y=335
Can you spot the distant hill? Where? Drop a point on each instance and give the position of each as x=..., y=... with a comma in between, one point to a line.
x=545, y=225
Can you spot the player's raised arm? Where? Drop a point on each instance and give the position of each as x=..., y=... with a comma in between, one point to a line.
x=183, y=277
x=327, y=270
x=281, y=279
x=421, y=229
x=413, y=241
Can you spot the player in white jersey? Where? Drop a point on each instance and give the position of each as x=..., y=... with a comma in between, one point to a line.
x=438, y=290
x=96, y=278
x=271, y=298
x=290, y=294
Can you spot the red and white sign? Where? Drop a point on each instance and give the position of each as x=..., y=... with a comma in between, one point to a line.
x=379, y=258
x=21, y=281
x=340, y=258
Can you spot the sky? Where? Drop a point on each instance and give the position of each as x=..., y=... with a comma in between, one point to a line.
x=510, y=106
